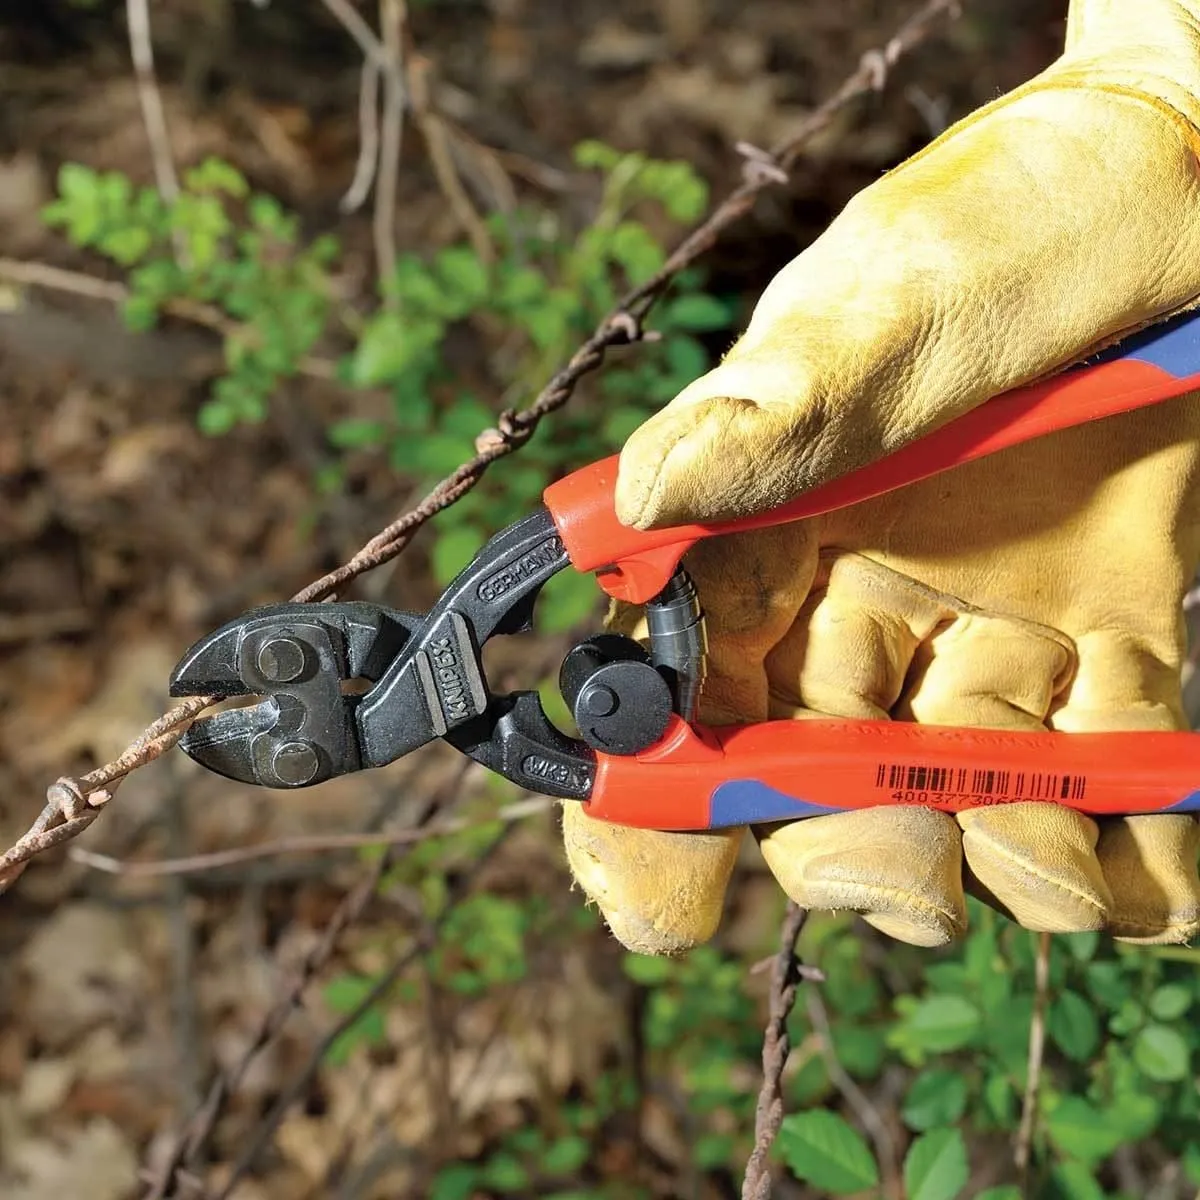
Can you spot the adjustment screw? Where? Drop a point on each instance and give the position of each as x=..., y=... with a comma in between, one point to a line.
x=281, y=659
x=295, y=763
x=599, y=701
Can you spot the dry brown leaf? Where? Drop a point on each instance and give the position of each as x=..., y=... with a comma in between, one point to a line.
x=95, y=1162
x=82, y=967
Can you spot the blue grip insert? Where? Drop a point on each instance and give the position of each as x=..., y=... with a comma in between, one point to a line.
x=1173, y=346
x=747, y=802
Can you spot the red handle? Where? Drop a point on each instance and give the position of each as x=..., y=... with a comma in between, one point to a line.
x=634, y=565
x=782, y=770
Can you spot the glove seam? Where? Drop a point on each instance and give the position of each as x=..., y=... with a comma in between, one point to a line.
x=1187, y=128
x=1000, y=851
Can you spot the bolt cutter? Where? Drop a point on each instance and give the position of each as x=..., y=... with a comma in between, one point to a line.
x=349, y=686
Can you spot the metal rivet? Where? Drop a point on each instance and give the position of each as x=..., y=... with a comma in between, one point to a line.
x=599, y=701
x=295, y=763
x=281, y=660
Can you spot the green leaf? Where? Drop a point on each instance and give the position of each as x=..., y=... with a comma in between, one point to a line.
x=1170, y=1002
x=565, y=1155
x=936, y=1097
x=935, y=1167
x=936, y=1024
x=999, y=1099
x=1073, y=1026
x=547, y=325
x=686, y=358
x=648, y=970
x=567, y=601
x=1083, y=1131
x=442, y=453
x=1082, y=946
x=1107, y=983
x=384, y=349
x=620, y=423
x=822, y=1149
x=140, y=313
x=696, y=313
x=127, y=245
x=455, y=1182
x=714, y=1150
x=343, y=995
x=466, y=418
x=1191, y=1163
x=452, y=550
x=635, y=248
x=1073, y=1181
x=1008, y=1191
x=595, y=155
x=463, y=272
x=1162, y=1054
x=506, y=1173
x=1128, y=1017
x=215, y=175
x=859, y=1048
x=356, y=433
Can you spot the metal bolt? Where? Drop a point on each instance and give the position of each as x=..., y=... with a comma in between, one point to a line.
x=295, y=763
x=599, y=701
x=281, y=659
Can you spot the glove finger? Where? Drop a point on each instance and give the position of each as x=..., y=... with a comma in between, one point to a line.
x=1149, y=861
x=1150, y=864
x=663, y=892
x=848, y=655
x=899, y=868
x=1035, y=861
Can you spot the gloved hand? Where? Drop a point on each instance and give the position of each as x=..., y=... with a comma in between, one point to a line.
x=1037, y=588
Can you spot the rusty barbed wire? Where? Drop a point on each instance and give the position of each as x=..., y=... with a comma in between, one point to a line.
x=73, y=804
x=786, y=975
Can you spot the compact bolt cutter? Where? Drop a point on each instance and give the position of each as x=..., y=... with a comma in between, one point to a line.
x=639, y=757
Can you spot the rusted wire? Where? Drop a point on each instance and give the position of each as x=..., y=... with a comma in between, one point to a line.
x=768, y=1113
x=72, y=805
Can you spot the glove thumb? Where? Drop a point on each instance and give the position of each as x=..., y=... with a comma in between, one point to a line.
x=732, y=443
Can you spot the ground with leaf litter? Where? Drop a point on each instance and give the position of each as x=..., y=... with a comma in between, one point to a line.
x=523, y=1053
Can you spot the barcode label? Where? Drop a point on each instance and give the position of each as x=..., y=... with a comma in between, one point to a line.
x=978, y=785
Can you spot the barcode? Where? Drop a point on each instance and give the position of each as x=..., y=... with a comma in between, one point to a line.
x=982, y=782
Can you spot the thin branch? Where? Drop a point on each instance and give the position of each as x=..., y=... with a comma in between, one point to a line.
x=1033, y=1071
x=441, y=157
x=264, y=1134
x=860, y=1103
x=312, y=844
x=191, y=1138
x=188, y=1052
x=153, y=116
x=76, y=283
x=350, y=20
x=768, y=1114
x=392, y=17
x=368, y=140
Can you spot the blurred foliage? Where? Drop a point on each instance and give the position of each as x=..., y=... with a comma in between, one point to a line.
x=241, y=254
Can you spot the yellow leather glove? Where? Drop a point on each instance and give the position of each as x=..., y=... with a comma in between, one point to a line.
x=1038, y=588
